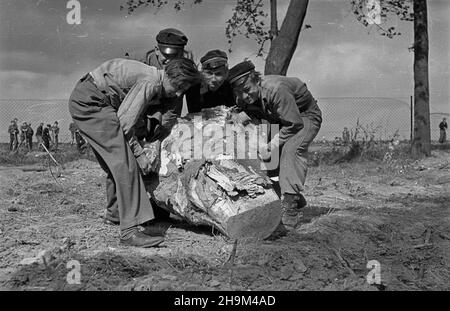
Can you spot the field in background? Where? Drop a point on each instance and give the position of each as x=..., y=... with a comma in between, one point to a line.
x=65, y=153
x=386, y=116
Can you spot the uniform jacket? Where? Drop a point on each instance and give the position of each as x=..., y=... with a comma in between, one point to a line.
x=13, y=129
x=46, y=133
x=39, y=130
x=72, y=127
x=23, y=130
x=284, y=100
x=131, y=88
x=443, y=125
x=55, y=129
x=156, y=59
x=30, y=132
x=166, y=115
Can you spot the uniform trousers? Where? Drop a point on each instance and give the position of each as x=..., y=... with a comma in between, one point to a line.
x=98, y=122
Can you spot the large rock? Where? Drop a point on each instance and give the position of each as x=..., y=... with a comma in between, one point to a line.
x=222, y=187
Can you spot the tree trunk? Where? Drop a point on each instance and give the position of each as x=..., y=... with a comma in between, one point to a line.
x=214, y=188
x=273, y=20
x=283, y=47
x=422, y=136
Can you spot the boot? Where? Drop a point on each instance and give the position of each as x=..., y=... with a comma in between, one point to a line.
x=135, y=236
x=301, y=202
x=111, y=219
x=141, y=239
x=160, y=213
x=278, y=233
x=291, y=205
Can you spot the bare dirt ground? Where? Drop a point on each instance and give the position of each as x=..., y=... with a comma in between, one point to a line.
x=398, y=215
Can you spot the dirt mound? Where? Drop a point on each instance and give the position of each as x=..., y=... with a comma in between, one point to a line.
x=105, y=271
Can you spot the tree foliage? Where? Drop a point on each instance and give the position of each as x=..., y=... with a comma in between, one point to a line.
x=379, y=13
x=248, y=18
x=132, y=5
x=389, y=12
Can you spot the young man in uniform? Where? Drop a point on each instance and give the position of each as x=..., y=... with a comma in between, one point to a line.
x=287, y=102
x=171, y=45
x=215, y=89
x=72, y=130
x=23, y=134
x=106, y=105
x=13, y=131
x=346, y=136
x=29, y=135
x=81, y=146
x=39, y=132
x=442, y=131
x=46, y=136
x=55, y=135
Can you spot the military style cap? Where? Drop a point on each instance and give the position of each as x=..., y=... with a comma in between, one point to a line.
x=214, y=59
x=171, y=40
x=240, y=70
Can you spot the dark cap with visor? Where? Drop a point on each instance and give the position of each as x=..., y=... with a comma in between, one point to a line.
x=171, y=41
x=240, y=70
x=214, y=59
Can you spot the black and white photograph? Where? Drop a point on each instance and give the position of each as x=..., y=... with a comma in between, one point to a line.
x=224, y=151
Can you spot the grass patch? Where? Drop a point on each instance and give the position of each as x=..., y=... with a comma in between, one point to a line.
x=65, y=154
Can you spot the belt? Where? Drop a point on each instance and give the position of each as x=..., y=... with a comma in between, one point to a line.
x=88, y=77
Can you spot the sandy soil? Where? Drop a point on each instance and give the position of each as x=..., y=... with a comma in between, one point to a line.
x=396, y=214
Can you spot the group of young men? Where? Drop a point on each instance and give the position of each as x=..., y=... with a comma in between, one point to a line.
x=44, y=135
x=123, y=100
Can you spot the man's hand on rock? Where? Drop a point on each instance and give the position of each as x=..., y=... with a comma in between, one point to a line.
x=144, y=163
x=153, y=152
x=264, y=152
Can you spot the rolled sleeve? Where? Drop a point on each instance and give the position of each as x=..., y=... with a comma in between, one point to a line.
x=165, y=118
x=133, y=106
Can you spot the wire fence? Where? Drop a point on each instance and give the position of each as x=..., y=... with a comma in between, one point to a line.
x=381, y=116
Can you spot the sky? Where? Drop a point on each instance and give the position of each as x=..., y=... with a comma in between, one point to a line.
x=42, y=56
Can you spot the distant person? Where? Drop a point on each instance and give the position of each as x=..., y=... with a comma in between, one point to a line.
x=442, y=131
x=39, y=131
x=46, y=136
x=55, y=134
x=13, y=131
x=72, y=129
x=23, y=133
x=346, y=136
x=80, y=141
x=29, y=136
